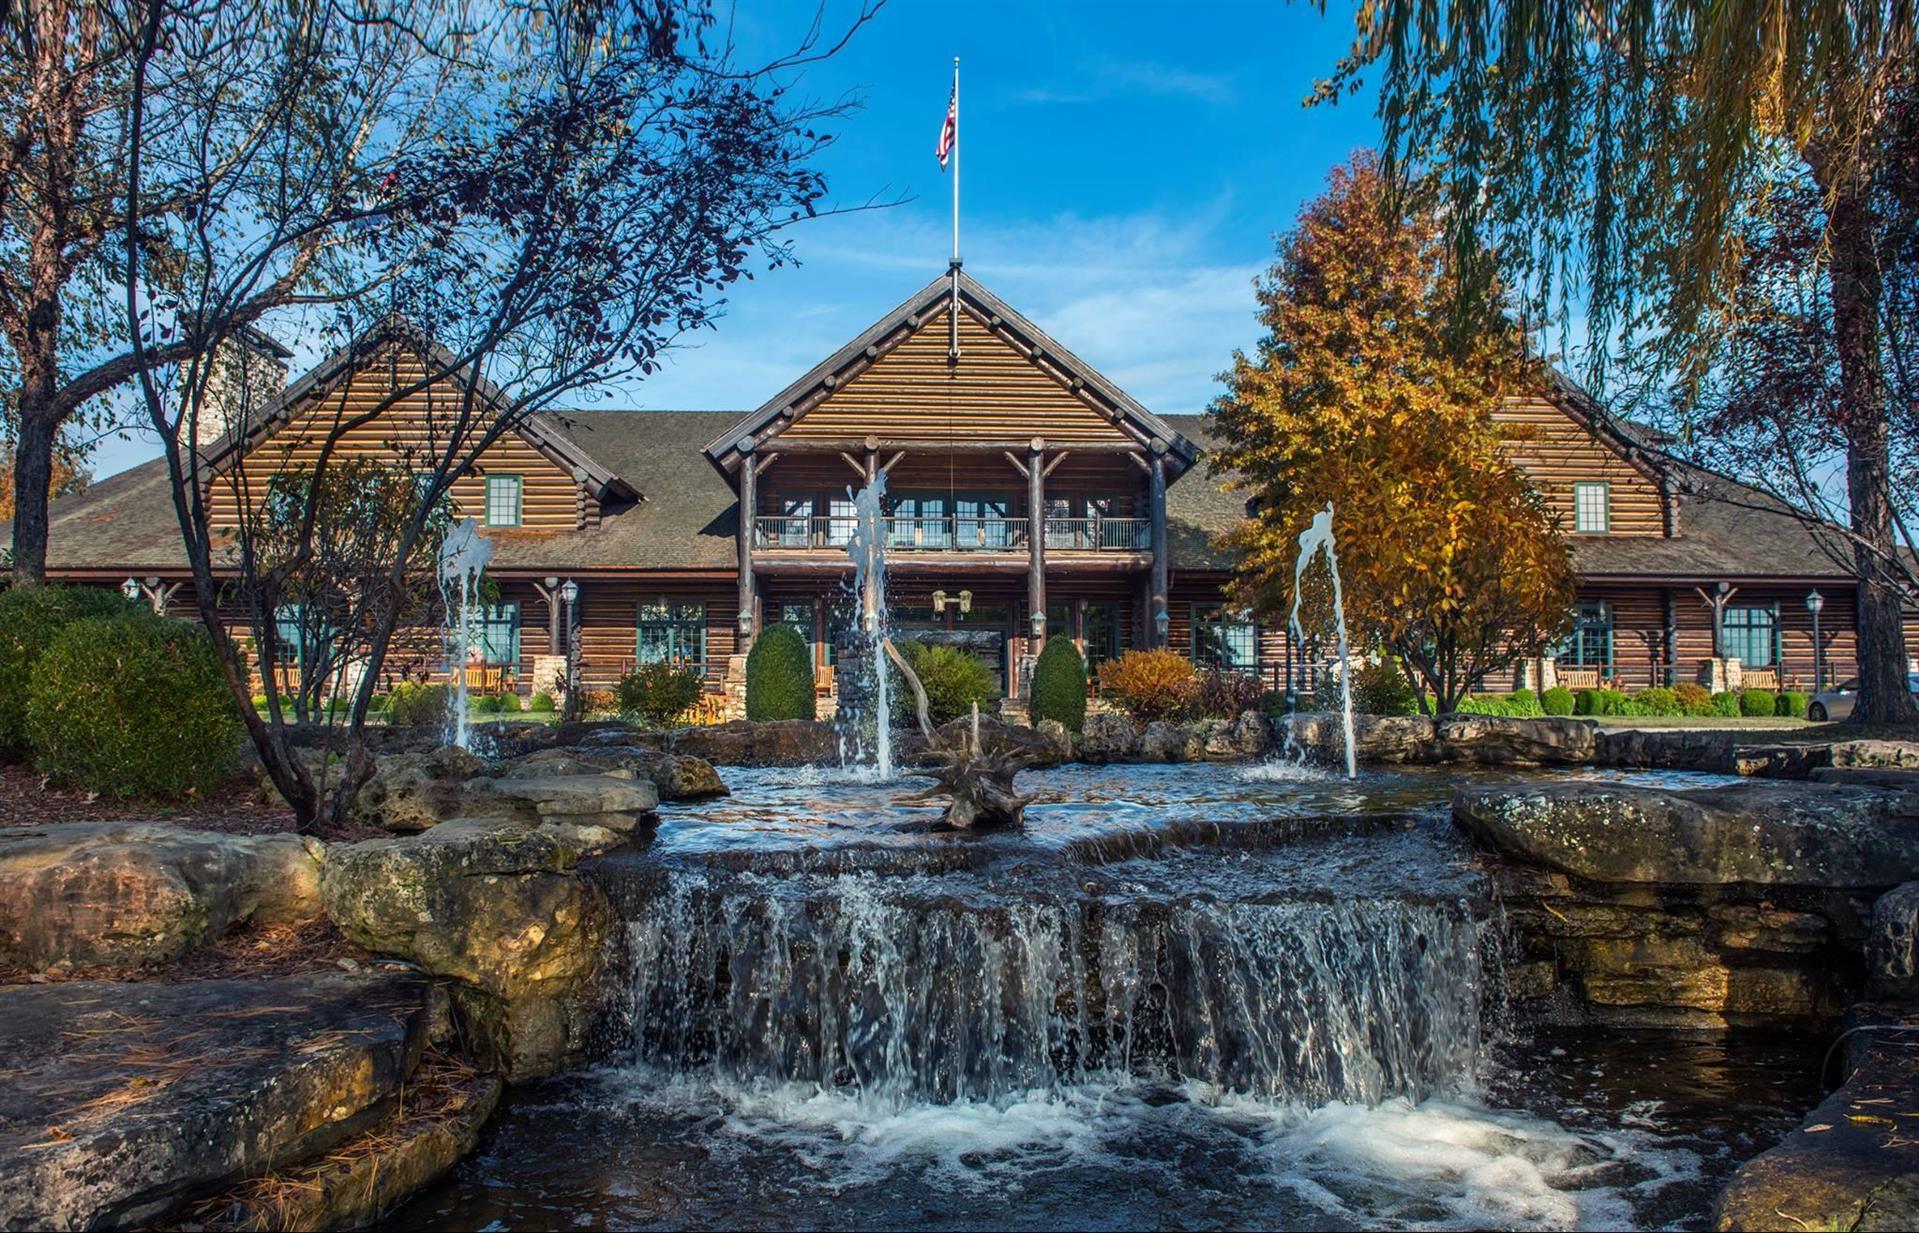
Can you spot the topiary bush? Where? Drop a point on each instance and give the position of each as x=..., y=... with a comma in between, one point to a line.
x=1586, y=702
x=1380, y=688
x=1059, y=685
x=1557, y=701
x=953, y=681
x=412, y=704
x=1148, y=684
x=1755, y=703
x=1694, y=698
x=1222, y=695
x=30, y=618
x=132, y=706
x=1726, y=705
x=1791, y=703
x=657, y=694
x=1657, y=700
x=779, y=676
x=540, y=704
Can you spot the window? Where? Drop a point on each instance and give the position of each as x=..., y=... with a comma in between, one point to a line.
x=298, y=641
x=842, y=516
x=1592, y=508
x=1223, y=640
x=496, y=632
x=502, y=500
x=982, y=523
x=1751, y=635
x=1102, y=633
x=1591, y=642
x=670, y=633
x=794, y=527
x=919, y=522
x=800, y=617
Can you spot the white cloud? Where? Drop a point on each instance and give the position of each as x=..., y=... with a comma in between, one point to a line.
x=1102, y=78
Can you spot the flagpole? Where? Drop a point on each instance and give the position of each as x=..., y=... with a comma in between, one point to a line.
x=956, y=162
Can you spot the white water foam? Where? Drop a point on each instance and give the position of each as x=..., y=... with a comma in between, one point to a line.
x=1286, y=772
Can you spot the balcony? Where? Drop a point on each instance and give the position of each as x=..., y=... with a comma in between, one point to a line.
x=956, y=533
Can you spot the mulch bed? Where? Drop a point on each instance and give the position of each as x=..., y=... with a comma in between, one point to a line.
x=29, y=798
x=248, y=953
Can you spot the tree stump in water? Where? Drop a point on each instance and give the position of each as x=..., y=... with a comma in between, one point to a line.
x=977, y=781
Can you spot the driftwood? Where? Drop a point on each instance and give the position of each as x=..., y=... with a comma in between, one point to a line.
x=978, y=782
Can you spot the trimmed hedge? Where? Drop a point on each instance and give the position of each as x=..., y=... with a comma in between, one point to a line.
x=540, y=704
x=1791, y=703
x=1519, y=704
x=1557, y=701
x=1726, y=705
x=1059, y=685
x=30, y=619
x=1694, y=698
x=1755, y=703
x=657, y=694
x=779, y=676
x=953, y=681
x=132, y=706
x=1657, y=700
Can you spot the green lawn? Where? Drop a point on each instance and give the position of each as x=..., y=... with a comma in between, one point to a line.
x=1702, y=721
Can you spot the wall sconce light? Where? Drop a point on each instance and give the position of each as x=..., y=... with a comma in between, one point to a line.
x=131, y=589
x=746, y=622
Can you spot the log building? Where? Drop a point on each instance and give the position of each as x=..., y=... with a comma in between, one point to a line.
x=1030, y=497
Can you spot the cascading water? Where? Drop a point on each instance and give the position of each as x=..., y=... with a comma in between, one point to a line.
x=1314, y=539
x=464, y=556
x=866, y=546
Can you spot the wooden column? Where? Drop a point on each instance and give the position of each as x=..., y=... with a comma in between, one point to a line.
x=749, y=515
x=1036, y=545
x=1157, y=614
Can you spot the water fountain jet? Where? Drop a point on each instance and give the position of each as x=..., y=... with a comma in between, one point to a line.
x=1318, y=538
x=464, y=556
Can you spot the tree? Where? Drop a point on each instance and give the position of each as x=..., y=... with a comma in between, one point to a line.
x=1610, y=146
x=67, y=476
x=1361, y=395
x=595, y=181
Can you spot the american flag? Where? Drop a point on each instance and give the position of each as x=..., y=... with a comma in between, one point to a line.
x=949, y=131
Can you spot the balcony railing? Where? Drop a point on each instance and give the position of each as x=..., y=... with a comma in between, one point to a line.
x=957, y=533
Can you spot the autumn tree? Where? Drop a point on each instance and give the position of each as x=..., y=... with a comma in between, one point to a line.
x=1360, y=395
x=1597, y=155
x=69, y=475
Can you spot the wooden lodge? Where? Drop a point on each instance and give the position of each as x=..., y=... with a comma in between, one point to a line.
x=1028, y=498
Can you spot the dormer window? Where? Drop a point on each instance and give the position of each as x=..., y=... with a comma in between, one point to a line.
x=1592, y=508
x=502, y=500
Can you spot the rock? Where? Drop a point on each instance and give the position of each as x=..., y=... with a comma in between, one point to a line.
x=1054, y=733
x=1001, y=738
x=142, y=893
x=1493, y=740
x=1252, y=734
x=121, y=1102
x=1761, y=833
x=412, y=791
x=1892, y=947
x=783, y=742
x=679, y=777
x=616, y=798
x=1167, y=742
x=1108, y=736
x=1376, y=738
x=1884, y=754
x=1854, y=1162
x=1715, y=750
x=1903, y=777
x=497, y=907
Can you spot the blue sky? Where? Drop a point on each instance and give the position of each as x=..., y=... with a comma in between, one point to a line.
x=1125, y=167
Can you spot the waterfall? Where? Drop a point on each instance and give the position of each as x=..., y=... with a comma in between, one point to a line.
x=464, y=556
x=867, y=548
x=915, y=989
x=1319, y=538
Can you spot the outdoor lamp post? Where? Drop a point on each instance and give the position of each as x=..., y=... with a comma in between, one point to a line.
x=131, y=589
x=570, y=594
x=1815, y=603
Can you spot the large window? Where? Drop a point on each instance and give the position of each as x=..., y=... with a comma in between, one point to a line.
x=842, y=517
x=671, y=633
x=800, y=617
x=496, y=631
x=1752, y=636
x=1102, y=633
x=502, y=500
x=981, y=523
x=1591, y=642
x=1592, y=508
x=1224, y=639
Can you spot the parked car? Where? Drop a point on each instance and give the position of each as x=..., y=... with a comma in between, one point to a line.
x=1836, y=703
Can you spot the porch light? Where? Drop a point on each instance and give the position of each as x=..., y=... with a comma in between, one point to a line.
x=939, y=601
x=1815, y=603
x=966, y=601
x=131, y=589
x=570, y=592
x=746, y=622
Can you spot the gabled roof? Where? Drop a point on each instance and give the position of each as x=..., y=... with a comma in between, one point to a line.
x=541, y=432
x=1048, y=356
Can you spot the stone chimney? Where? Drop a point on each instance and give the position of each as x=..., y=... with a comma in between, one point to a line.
x=248, y=371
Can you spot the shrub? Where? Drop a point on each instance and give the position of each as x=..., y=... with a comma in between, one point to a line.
x=1557, y=701
x=779, y=676
x=30, y=618
x=1791, y=703
x=1694, y=699
x=1586, y=702
x=1222, y=695
x=953, y=680
x=598, y=701
x=541, y=704
x=657, y=694
x=1726, y=705
x=1754, y=703
x=1059, y=685
x=510, y=703
x=1380, y=688
x=376, y=705
x=1519, y=704
x=132, y=706
x=416, y=705
x=1657, y=701
x=486, y=704
x=1148, y=684
x=1614, y=702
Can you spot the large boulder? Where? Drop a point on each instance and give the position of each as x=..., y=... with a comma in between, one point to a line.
x=1168, y=742
x=1763, y=833
x=1493, y=740
x=1376, y=738
x=1108, y=736
x=678, y=777
x=120, y=1103
x=596, y=811
x=1892, y=948
x=780, y=742
x=142, y=893
x=497, y=906
x=413, y=791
